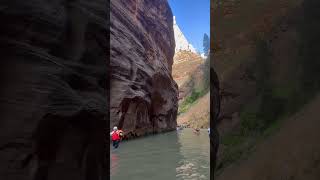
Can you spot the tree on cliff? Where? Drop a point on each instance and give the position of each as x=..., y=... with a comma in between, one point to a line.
x=206, y=44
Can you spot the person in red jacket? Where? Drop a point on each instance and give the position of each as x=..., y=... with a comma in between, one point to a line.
x=116, y=136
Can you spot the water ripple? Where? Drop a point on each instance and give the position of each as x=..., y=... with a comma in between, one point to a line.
x=182, y=156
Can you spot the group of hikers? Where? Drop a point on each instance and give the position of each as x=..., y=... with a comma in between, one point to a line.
x=117, y=135
x=197, y=131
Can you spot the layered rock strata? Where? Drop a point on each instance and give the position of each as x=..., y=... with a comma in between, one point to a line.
x=144, y=96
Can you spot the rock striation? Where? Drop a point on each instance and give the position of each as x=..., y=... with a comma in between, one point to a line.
x=53, y=97
x=144, y=96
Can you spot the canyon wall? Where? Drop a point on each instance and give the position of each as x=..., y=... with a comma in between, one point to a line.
x=265, y=55
x=144, y=96
x=257, y=62
x=54, y=90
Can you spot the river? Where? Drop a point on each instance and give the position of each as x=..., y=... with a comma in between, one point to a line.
x=180, y=155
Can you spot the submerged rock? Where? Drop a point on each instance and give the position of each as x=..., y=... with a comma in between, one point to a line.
x=144, y=96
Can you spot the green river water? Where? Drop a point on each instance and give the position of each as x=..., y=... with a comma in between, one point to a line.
x=180, y=155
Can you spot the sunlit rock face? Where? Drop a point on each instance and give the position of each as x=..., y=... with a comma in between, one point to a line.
x=144, y=96
x=182, y=43
x=186, y=60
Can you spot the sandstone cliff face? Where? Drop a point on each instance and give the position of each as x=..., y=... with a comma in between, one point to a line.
x=187, y=65
x=266, y=74
x=188, y=71
x=143, y=94
x=54, y=93
x=238, y=54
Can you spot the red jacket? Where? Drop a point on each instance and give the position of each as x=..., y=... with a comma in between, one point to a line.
x=115, y=135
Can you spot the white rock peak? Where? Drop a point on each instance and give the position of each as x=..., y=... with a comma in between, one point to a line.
x=181, y=41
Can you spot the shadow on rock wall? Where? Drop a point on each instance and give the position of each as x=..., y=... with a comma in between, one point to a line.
x=144, y=96
x=54, y=90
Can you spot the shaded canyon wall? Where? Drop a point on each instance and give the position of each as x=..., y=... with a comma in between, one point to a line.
x=54, y=93
x=144, y=96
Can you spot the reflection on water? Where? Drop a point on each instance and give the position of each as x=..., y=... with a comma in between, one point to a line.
x=114, y=165
x=183, y=156
x=195, y=150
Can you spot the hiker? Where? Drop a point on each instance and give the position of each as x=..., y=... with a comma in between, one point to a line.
x=179, y=128
x=116, y=136
x=196, y=131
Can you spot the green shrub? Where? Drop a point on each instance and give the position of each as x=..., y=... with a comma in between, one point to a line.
x=232, y=140
x=190, y=100
x=249, y=123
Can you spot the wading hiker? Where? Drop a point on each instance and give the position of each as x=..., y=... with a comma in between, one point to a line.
x=196, y=131
x=116, y=136
x=179, y=128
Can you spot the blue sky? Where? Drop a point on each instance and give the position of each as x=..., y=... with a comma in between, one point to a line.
x=193, y=18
